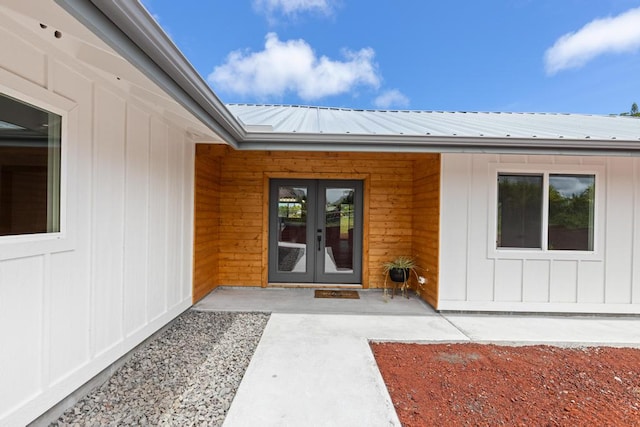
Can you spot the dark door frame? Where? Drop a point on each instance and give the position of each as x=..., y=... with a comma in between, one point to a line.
x=315, y=233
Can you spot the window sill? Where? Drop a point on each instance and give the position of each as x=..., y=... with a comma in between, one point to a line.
x=539, y=254
x=13, y=247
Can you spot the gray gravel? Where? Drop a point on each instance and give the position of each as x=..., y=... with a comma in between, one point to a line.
x=188, y=375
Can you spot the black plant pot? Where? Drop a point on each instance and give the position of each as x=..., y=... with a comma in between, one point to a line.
x=399, y=275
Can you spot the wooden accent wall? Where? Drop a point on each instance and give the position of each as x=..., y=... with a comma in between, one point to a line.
x=426, y=223
x=207, y=219
x=242, y=199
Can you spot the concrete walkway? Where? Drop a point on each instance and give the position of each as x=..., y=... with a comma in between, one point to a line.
x=314, y=366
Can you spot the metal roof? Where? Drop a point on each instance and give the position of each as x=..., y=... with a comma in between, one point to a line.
x=323, y=120
x=128, y=28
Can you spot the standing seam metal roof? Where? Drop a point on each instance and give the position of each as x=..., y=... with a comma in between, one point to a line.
x=324, y=120
x=129, y=29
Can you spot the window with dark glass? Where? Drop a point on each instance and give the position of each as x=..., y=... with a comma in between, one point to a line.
x=519, y=211
x=29, y=168
x=571, y=199
x=569, y=219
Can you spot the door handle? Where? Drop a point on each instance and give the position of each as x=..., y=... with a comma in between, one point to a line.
x=319, y=236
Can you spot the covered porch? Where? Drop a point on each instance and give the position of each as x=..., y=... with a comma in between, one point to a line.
x=400, y=216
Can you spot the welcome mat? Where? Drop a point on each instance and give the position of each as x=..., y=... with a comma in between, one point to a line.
x=328, y=293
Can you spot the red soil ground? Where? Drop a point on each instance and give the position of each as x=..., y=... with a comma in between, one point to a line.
x=482, y=385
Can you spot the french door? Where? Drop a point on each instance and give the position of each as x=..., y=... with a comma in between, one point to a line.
x=315, y=231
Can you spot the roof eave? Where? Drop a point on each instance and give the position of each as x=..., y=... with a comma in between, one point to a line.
x=441, y=144
x=128, y=28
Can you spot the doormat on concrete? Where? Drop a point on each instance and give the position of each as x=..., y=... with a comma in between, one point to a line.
x=327, y=293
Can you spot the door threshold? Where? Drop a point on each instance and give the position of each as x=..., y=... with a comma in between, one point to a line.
x=316, y=285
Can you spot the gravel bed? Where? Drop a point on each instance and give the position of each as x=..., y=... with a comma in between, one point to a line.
x=188, y=375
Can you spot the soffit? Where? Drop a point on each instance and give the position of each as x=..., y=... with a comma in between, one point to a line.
x=51, y=29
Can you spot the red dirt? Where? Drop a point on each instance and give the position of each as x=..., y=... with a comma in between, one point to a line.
x=481, y=385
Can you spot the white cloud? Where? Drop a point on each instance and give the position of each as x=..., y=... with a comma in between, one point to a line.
x=613, y=34
x=293, y=7
x=391, y=98
x=292, y=66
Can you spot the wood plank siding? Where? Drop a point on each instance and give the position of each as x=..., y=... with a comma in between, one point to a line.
x=207, y=219
x=426, y=223
x=231, y=215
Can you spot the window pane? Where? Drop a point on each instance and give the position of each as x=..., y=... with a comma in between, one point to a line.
x=29, y=169
x=339, y=216
x=292, y=228
x=571, y=199
x=519, y=211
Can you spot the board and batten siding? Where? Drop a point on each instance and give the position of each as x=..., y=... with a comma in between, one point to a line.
x=473, y=276
x=70, y=308
x=238, y=212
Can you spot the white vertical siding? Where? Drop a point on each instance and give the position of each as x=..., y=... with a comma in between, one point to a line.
x=635, y=285
x=158, y=206
x=124, y=270
x=188, y=199
x=535, y=281
x=21, y=329
x=564, y=276
x=69, y=327
x=474, y=277
x=455, y=237
x=618, y=231
x=481, y=269
x=136, y=259
x=508, y=280
x=174, y=214
x=27, y=61
x=591, y=282
x=108, y=230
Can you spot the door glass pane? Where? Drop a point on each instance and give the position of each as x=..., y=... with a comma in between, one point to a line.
x=292, y=228
x=519, y=211
x=571, y=200
x=339, y=225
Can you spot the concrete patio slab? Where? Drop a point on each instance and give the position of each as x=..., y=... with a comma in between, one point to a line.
x=301, y=300
x=549, y=329
x=314, y=366
x=318, y=370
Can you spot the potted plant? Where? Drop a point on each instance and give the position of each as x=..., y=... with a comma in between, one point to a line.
x=399, y=271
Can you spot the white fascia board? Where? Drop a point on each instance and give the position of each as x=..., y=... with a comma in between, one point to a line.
x=440, y=144
x=128, y=29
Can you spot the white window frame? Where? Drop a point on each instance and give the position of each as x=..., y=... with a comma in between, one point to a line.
x=24, y=245
x=496, y=169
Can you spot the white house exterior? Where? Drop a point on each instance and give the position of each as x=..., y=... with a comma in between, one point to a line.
x=118, y=263
x=73, y=302
x=475, y=275
x=474, y=272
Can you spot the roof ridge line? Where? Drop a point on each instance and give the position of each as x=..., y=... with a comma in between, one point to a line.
x=437, y=111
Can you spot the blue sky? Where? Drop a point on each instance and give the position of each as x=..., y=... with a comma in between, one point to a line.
x=578, y=56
